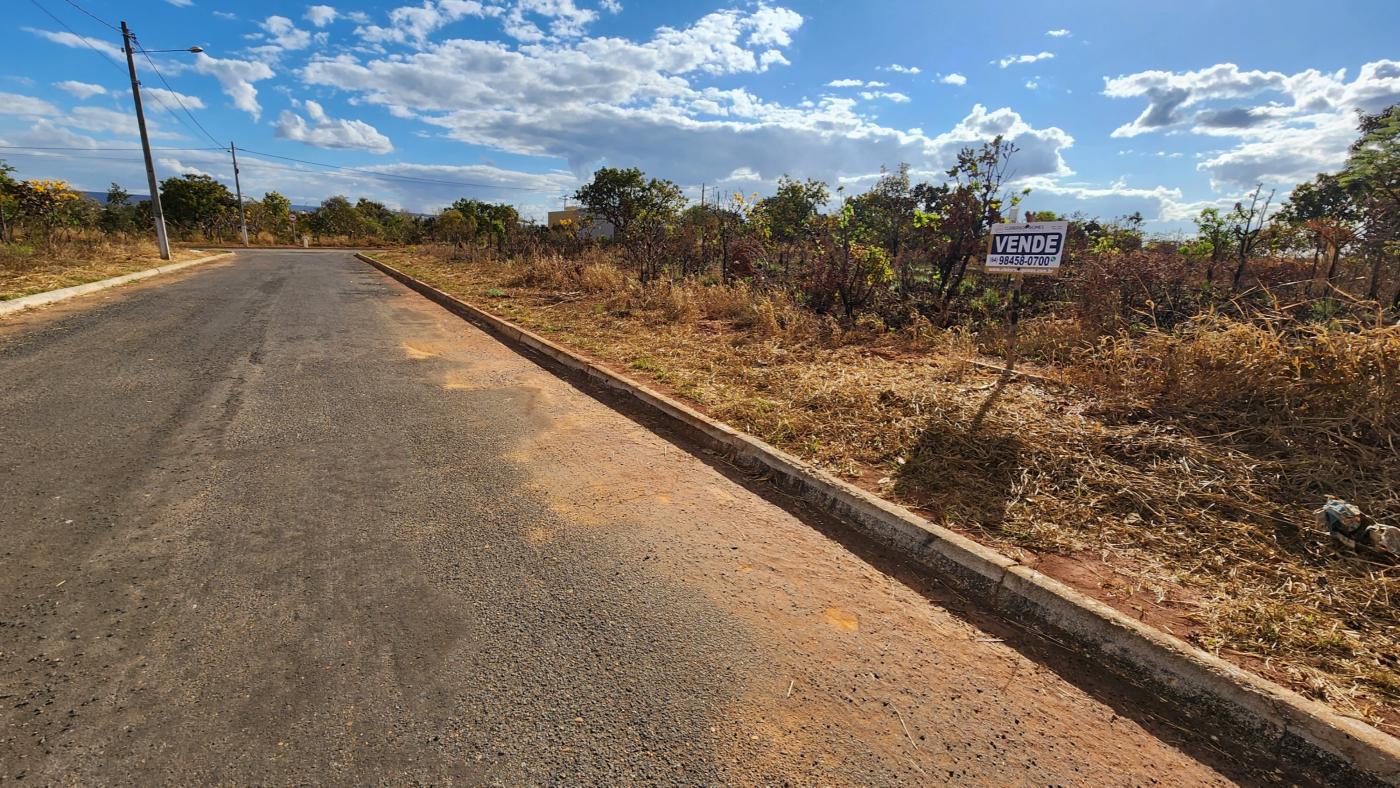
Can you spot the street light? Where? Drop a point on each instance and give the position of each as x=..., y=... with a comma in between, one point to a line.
x=127, y=38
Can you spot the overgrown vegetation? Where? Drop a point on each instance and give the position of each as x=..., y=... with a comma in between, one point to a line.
x=1189, y=401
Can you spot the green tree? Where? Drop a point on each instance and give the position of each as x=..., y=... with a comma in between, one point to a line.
x=1326, y=212
x=197, y=202
x=1213, y=232
x=454, y=228
x=275, y=215
x=787, y=218
x=9, y=201
x=1372, y=174
x=117, y=215
x=616, y=196
x=337, y=216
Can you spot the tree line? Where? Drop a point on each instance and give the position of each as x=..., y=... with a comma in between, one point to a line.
x=900, y=248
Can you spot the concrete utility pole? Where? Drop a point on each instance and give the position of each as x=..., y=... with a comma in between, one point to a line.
x=156, y=212
x=238, y=190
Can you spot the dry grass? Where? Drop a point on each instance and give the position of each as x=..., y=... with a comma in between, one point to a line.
x=26, y=269
x=1174, y=480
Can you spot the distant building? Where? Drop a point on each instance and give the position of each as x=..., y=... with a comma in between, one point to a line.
x=583, y=223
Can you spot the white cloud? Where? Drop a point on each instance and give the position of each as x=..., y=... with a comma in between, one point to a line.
x=1289, y=127
x=16, y=104
x=284, y=34
x=171, y=99
x=1012, y=60
x=236, y=77
x=413, y=24
x=774, y=26
x=181, y=3
x=70, y=40
x=872, y=95
x=1061, y=33
x=320, y=15
x=82, y=90
x=898, y=69
x=953, y=79
x=326, y=132
x=595, y=100
x=611, y=6
x=1032, y=84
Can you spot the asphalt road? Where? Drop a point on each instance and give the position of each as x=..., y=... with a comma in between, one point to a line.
x=281, y=520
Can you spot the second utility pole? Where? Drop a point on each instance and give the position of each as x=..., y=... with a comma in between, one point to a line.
x=156, y=212
x=238, y=190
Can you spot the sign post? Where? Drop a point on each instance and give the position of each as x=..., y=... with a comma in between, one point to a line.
x=1020, y=248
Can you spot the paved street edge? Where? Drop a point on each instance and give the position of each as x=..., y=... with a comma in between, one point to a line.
x=1266, y=713
x=63, y=294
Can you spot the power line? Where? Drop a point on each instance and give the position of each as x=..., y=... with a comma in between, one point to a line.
x=55, y=147
x=94, y=16
x=106, y=58
x=174, y=94
x=411, y=178
x=64, y=152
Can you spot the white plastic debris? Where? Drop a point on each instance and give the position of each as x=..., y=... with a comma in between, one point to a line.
x=1343, y=521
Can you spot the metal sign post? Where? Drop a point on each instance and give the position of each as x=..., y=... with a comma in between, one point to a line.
x=1018, y=248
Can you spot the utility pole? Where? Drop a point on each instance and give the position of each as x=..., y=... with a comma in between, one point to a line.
x=238, y=190
x=156, y=212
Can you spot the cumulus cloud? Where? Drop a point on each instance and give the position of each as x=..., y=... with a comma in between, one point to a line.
x=70, y=40
x=1288, y=126
x=413, y=24
x=320, y=15
x=1061, y=33
x=594, y=100
x=322, y=131
x=17, y=104
x=856, y=83
x=953, y=79
x=872, y=95
x=171, y=99
x=236, y=78
x=1014, y=60
x=284, y=34
x=82, y=90
x=898, y=69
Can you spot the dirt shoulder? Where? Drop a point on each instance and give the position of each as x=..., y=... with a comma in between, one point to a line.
x=1198, y=534
x=25, y=271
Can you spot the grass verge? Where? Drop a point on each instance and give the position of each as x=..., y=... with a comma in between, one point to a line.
x=26, y=270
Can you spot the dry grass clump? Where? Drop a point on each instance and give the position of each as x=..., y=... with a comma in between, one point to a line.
x=1340, y=378
x=26, y=269
x=1174, y=481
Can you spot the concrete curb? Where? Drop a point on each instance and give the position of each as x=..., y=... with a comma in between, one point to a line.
x=1204, y=687
x=63, y=294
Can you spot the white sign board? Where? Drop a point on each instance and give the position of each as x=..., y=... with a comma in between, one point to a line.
x=1029, y=248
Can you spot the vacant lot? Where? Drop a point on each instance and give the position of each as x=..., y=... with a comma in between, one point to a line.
x=1170, y=474
x=26, y=269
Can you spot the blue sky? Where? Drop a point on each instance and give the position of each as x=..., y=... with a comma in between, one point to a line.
x=1162, y=108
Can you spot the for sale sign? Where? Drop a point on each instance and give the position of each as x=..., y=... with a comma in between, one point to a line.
x=1030, y=248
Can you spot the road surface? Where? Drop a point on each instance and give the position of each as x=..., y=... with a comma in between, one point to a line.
x=281, y=520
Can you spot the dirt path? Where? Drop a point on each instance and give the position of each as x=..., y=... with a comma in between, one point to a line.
x=282, y=520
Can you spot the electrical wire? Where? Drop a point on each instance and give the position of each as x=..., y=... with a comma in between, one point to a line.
x=94, y=16
x=390, y=176
x=100, y=149
x=106, y=58
x=175, y=95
